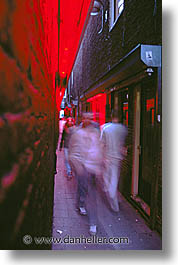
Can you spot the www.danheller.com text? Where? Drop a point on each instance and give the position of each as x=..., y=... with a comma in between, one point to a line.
x=27, y=240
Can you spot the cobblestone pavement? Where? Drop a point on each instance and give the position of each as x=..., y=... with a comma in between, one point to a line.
x=67, y=223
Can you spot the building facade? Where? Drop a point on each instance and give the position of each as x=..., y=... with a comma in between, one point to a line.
x=118, y=66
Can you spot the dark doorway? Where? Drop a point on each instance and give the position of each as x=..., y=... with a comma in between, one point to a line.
x=147, y=139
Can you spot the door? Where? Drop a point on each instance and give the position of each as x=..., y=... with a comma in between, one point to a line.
x=147, y=140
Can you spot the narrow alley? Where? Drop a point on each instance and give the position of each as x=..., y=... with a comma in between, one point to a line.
x=96, y=65
x=69, y=224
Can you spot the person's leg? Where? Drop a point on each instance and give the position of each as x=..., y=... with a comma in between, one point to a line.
x=113, y=181
x=113, y=189
x=92, y=201
x=92, y=204
x=68, y=167
x=82, y=189
x=106, y=176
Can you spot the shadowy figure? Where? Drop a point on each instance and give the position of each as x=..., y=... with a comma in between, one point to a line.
x=67, y=131
x=113, y=137
x=85, y=157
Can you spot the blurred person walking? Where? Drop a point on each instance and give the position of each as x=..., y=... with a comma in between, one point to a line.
x=85, y=157
x=66, y=134
x=113, y=137
x=62, y=122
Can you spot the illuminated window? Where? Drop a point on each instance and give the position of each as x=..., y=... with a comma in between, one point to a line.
x=116, y=8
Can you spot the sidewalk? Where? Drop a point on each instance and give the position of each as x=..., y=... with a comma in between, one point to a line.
x=68, y=222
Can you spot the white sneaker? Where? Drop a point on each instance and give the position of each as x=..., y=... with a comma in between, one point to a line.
x=82, y=211
x=92, y=230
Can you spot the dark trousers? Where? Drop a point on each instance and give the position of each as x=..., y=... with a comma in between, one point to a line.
x=86, y=195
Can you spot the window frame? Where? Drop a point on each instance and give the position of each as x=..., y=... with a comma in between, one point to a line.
x=113, y=20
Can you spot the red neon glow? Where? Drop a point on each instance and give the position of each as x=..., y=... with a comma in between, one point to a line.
x=125, y=112
x=98, y=107
x=150, y=104
x=72, y=19
x=94, y=98
x=73, y=16
x=152, y=116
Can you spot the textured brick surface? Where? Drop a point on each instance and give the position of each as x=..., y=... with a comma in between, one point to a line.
x=27, y=136
x=99, y=52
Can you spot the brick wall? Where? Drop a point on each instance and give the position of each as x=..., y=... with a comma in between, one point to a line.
x=27, y=135
x=99, y=52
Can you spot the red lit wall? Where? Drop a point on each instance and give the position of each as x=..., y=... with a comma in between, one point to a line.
x=28, y=125
x=28, y=61
x=49, y=9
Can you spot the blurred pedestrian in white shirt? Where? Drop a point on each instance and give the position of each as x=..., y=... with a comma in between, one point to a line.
x=85, y=157
x=113, y=137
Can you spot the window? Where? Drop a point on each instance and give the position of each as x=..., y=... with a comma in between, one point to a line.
x=116, y=8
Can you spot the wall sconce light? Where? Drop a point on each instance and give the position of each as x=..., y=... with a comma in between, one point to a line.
x=149, y=71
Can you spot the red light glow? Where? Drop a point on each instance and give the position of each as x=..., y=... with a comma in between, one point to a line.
x=73, y=16
x=98, y=106
x=150, y=104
